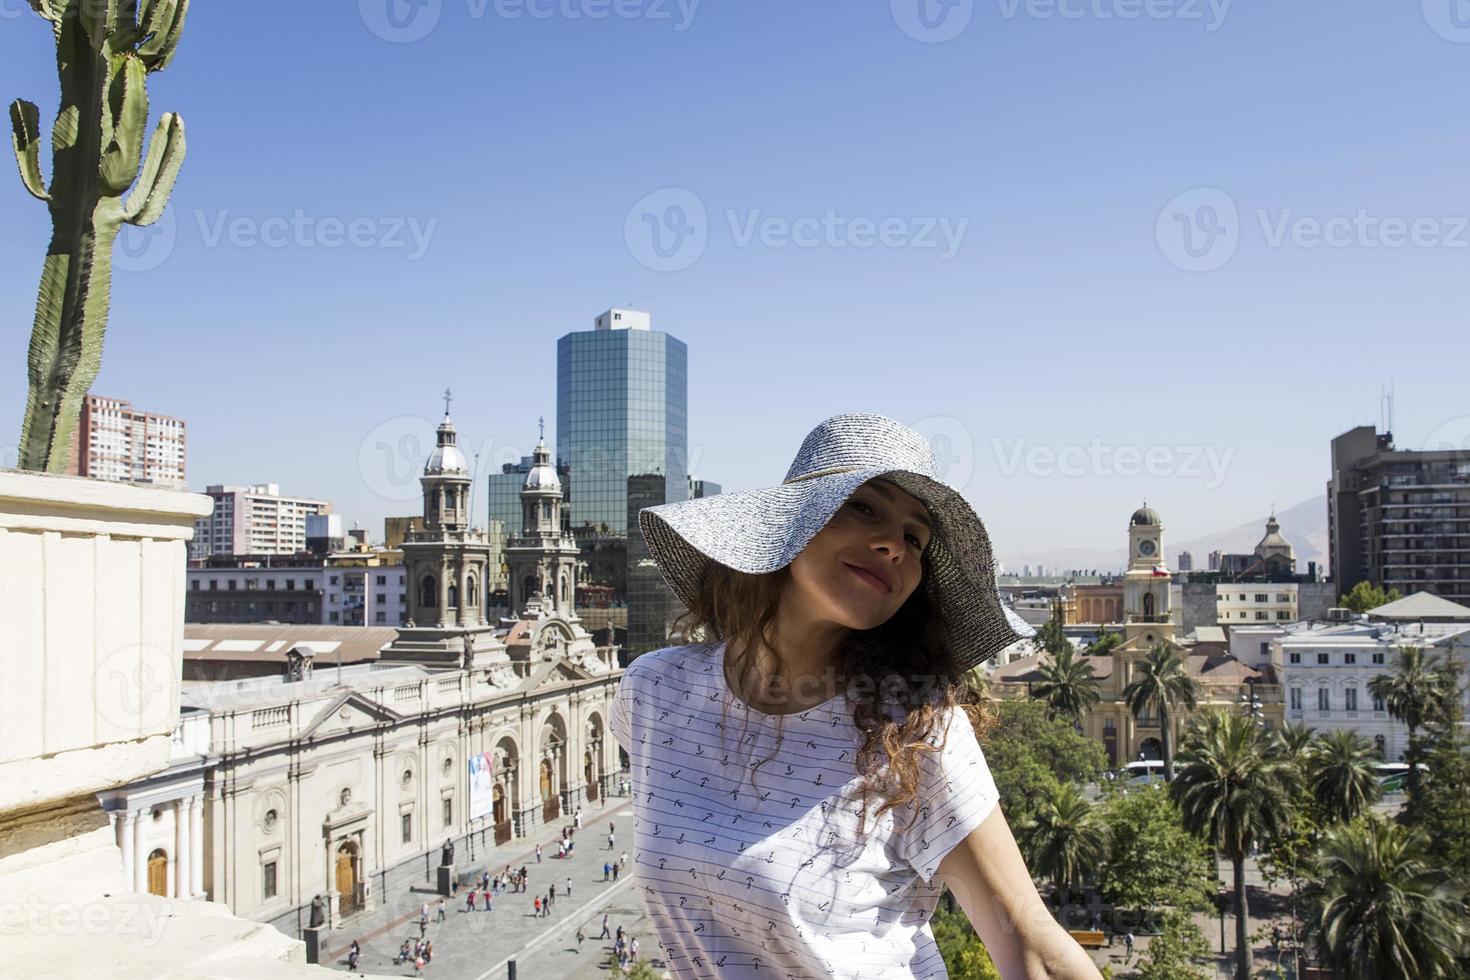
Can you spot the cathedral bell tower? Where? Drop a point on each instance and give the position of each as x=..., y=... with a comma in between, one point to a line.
x=542, y=561
x=1146, y=611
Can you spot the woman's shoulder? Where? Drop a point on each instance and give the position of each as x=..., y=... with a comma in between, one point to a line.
x=666, y=660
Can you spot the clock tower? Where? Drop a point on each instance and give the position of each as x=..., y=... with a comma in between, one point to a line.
x=1146, y=612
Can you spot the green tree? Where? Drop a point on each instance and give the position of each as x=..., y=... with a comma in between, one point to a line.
x=1365, y=596
x=1029, y=752
x=1104, y=644
x=965, y=956
x=1052, y=637
x=1176, y=952
x=1444, y=811
x=1412, y=691
x=1342, y=773
x=1160, y=682
x=1152, y=860
x=1234, y=790
x=1378, y=908
x=1064, y=840
x=1068, y=684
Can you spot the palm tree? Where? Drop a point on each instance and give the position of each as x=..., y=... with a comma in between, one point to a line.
x=1296, y=742
x=1068, y=685
x=1343, y=775
x=1411, y=692
x=1064, y=840
x=1379, y=909
x=1234, y=789
x=1160, y=682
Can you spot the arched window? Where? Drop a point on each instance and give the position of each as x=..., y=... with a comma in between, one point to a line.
x=1148, y=606
x=429, y=592
x=454, y=597
x=471, y=593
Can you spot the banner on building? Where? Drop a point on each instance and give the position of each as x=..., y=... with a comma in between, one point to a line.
x=482, y=785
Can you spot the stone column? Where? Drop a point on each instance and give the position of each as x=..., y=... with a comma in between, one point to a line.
x=180, y=877
x=123, y=835
x=140, y=853
x=196, y=845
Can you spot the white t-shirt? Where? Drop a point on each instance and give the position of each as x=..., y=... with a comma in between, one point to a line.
x=772, y=881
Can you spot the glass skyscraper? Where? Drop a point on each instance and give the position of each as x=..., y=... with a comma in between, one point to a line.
x=621, y=431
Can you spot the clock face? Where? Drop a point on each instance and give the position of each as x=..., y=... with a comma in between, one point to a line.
x=1146, y=547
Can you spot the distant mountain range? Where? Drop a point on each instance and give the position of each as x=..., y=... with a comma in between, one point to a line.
x=1304, y=525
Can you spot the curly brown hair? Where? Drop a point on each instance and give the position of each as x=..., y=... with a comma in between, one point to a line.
x=905, y=659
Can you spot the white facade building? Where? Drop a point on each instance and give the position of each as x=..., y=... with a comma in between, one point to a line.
x=254, y=520
x=1253, y=603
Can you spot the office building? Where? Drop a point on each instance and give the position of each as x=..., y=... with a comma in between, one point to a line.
x=254, y=520
x=114, y=441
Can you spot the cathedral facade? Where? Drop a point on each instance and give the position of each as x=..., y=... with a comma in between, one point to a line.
x=344, y=783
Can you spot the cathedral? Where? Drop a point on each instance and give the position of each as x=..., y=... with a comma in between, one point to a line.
x=344, y=784
x=1148, y=622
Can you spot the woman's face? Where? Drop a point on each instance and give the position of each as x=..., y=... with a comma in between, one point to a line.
x=863, y=566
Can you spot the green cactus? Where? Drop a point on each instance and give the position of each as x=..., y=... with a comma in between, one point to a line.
x=105, y=50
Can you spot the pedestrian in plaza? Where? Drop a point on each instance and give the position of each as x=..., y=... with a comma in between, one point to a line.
x=547, y=904
x=537, y=904
x=571, y=845
x=1128, y=939
x=606, y=870
x=577, y=818
x=440, y=917
x=418, y=947
x=569, y=886
x=603, y=934
x=581, y=937
x=470, y=901
x=525, y=877
x=620, y=935
x=429, y=951
x=423, y=925
x=609, y=840
x=538, y=853
x=633, y=948
x=489, y=902
x=623, y=860
x=485, y=881
x=551, y=890
x=418, y=966
x=561, y=848
x=353, y=953
x=615, y=872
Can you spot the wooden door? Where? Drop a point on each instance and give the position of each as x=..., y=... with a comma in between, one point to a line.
x=158, y=873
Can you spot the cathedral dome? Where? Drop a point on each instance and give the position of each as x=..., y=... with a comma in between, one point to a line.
x=542, y=475
x=447, y=458
x=1145, y=515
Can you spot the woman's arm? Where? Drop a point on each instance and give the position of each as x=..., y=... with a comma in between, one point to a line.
x=988, y=877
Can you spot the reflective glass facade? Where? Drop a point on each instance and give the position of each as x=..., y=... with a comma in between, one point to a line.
x=622, y=399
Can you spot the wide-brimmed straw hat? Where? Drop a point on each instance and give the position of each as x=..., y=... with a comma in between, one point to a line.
x=760, y=531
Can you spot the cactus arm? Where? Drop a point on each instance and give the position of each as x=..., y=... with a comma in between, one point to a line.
x=165, y=156
x=124, y=120
x=161, y=22
x=49, y=9
x=25, y=136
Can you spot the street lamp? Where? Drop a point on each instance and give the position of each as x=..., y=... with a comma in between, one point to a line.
x=1250, y=705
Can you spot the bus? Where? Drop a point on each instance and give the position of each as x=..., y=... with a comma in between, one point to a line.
x=1142, y=772
x=1393, y=776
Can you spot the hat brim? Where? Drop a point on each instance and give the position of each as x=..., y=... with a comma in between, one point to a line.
x=763, y=530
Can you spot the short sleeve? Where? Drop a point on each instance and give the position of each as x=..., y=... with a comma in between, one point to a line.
x=619, y=716
x=956, y=792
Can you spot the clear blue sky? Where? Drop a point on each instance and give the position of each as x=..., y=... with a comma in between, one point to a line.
x=519, y=145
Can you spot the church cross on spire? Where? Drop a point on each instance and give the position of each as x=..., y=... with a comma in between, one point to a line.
x=448, y=397
x=542, y=422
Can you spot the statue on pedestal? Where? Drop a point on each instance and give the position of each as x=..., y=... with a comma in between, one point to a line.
x=318, y=913
x=446, y=856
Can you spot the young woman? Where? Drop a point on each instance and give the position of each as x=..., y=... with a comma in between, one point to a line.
x=807, y=775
